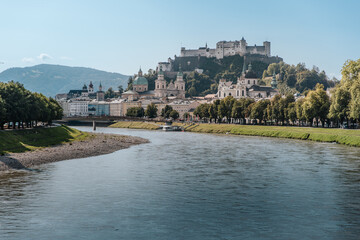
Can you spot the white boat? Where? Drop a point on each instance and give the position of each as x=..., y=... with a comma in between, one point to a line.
x=171, y=128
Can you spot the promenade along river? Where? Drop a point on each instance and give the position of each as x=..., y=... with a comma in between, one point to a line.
x=189, y=186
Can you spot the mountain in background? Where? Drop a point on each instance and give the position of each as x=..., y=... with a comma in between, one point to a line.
x=53, y=79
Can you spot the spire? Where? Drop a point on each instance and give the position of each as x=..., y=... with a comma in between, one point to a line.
x=274, y=82
x=161, y=71
x=140, y=72
x=180, y=74
x=244, y=68
x=250, y=68
x=100, y=87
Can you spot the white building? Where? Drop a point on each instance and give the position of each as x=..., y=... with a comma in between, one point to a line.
x=246, y=86
x=78, y=107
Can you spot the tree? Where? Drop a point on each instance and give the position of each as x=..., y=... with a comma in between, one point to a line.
x=2, y=113
x=225, y=108
x=135, y=112
x=21, y=107
x=299, y=110
x=258, y=110
x=165, y=112
x=174, y=114
x=151, y=111
x=290, y=112
x=121, y=89
x=130, y=80
x=109, y=93
x=339, y=108
x=213, y=110
x=316, y=105
x=239, y=109
x=354, y=106
x=202, y=111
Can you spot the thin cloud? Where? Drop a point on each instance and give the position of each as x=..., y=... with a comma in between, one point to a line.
x=28, y=60
x=44, y=56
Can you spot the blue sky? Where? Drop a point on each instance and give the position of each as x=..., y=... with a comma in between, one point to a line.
x=119, y=36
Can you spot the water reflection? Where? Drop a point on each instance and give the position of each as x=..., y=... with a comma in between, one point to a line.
x=190, y=186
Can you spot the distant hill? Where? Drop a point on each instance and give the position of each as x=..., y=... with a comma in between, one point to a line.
x=53, y=79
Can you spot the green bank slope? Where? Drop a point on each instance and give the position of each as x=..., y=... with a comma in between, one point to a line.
x=30, y=139
x=341, y=136
x=135, y=125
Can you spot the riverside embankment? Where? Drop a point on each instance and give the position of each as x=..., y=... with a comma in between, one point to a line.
x=23, y=149
x=342, y=136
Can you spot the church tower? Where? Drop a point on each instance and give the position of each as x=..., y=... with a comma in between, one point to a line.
x=180, y=84
x=100, y=95
x=160, y=85
x=91, y=87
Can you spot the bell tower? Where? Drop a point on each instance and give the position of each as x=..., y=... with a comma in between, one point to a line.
x=160, y=85
x=180, y=84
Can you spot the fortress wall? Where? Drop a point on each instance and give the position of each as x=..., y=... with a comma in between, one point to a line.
x=193, y=53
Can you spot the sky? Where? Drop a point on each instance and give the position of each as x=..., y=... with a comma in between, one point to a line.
x=120, y=36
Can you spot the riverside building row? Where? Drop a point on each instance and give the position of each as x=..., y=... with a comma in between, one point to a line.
x=87, y=102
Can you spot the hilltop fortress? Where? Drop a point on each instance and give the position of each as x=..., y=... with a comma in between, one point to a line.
x=194, y=59
x=227, y=48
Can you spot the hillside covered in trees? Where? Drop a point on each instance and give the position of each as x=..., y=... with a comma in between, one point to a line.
x=51, y=79
x=291, y=78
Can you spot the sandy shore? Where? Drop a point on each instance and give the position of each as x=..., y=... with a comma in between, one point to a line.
x=99, y=144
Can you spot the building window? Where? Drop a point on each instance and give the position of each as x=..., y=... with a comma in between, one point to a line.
x=157, y=86
x=254, y=82
x=248, y=81
x=242, y=93
x=224, y=94
x=237, y=93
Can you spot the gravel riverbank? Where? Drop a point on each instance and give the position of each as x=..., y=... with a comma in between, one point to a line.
x=97, y=144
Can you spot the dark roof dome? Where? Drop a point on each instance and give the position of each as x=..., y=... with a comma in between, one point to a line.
x=250, y=74
x=140, y=81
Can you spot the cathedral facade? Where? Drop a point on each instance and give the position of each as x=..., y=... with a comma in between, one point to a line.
x=173, y=89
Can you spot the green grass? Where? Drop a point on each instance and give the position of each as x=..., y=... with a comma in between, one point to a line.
x=342, y=136
x=30, y=139
x=135, y=125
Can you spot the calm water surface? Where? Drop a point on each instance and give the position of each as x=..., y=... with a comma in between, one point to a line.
x=189, y=186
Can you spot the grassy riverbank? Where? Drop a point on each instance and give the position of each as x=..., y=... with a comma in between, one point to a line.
x=341, y=136
x=15, y=141
x=135, y=125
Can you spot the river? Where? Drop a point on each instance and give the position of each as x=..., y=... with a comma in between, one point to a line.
x=189, y=186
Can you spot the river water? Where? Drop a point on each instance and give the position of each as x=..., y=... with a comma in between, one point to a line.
x=189, y=186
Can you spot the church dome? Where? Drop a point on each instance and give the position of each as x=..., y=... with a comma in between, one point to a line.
x=140, y=81
x=250, y=74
